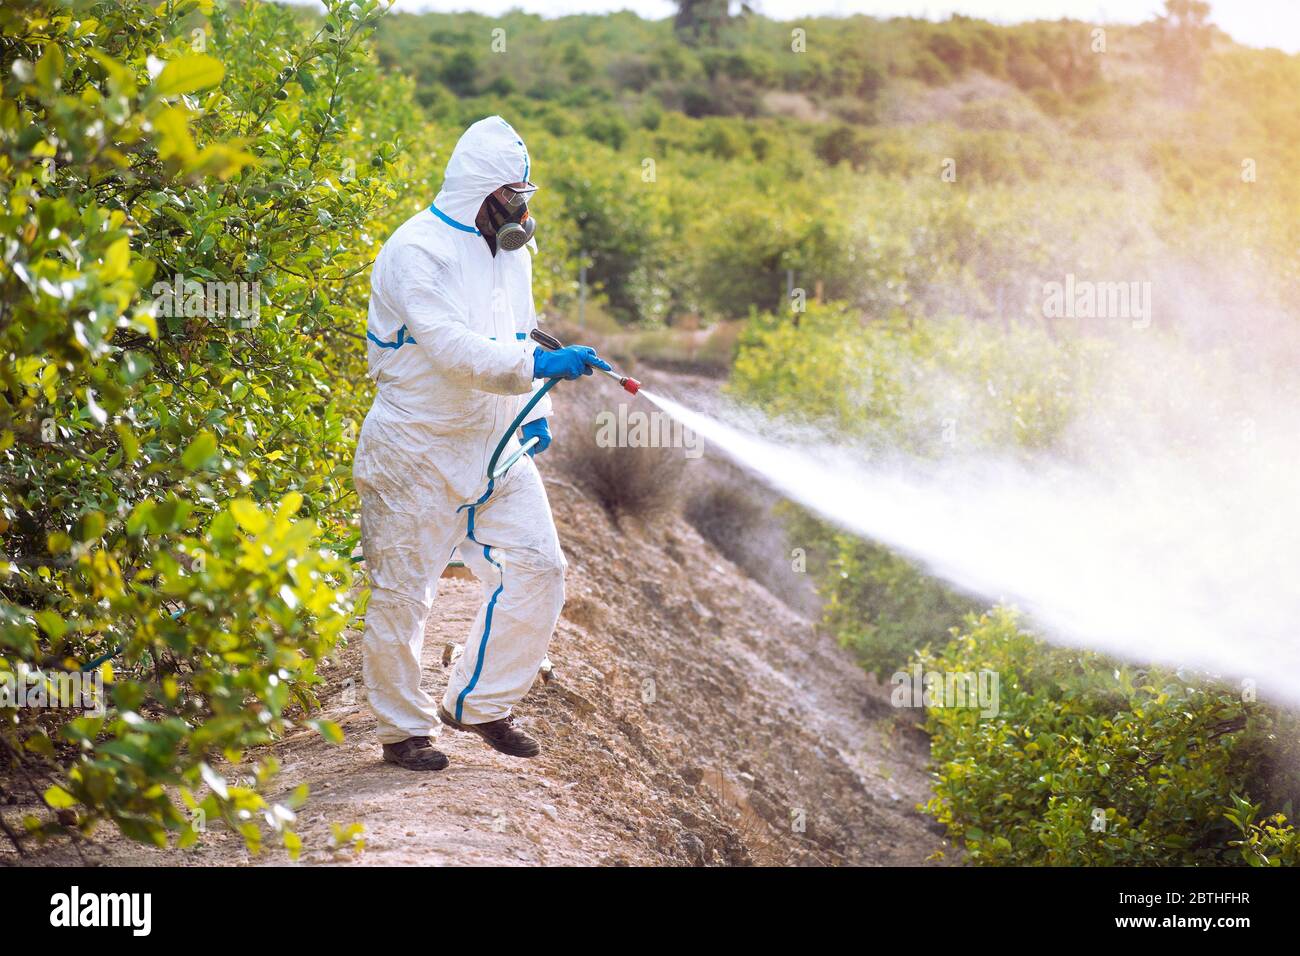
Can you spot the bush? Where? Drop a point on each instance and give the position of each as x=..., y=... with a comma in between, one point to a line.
x=723, y=513
x=170, y=481
x=627, y=481
x=882, y=607
x=931, y=70
x=606, y=127
x=1088, y=762
x=948, y=46
x=886, y=385
x=616, y=220
x=842, y=144
x=1272, y=842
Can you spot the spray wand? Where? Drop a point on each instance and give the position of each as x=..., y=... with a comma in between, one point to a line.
x=551, y=344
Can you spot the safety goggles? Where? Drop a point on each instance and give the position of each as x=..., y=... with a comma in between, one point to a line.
x=516, y=197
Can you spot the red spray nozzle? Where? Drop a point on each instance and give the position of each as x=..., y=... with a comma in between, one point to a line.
x=630, y=384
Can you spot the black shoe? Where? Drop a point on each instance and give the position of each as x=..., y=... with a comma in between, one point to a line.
x=415, y=753
x=502, y=735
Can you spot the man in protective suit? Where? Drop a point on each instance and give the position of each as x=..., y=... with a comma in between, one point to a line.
x=451, y=307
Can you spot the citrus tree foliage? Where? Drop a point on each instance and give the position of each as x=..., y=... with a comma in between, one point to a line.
x=1092, y=763
x=173, y=470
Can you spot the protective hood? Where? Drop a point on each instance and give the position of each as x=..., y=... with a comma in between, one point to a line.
x=489, y=155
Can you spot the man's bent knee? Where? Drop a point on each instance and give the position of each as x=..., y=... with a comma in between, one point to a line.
x=390, y=614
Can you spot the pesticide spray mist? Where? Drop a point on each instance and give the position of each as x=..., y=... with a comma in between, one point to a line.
x=1169, y=535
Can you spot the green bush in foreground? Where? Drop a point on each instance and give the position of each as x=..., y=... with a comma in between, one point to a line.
x=173, y=478
x=1090, y=763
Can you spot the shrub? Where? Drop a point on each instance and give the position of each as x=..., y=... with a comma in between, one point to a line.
x=842, y=144
x=606, y=127
x=1272, y=842
x=1088, y=762
x=616, y=220
x=166, y=477
x=627, y=481
x=722, y=512
x=948, y=46
x=929, y=69
x=881, y=606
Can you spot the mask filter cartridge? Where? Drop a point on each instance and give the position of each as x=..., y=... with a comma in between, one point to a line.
x=515, y=235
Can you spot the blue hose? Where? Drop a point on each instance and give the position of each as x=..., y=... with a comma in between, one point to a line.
x=517, y=423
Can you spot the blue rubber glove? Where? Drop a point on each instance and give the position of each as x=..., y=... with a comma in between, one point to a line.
x=541, y=431
x=568, y=362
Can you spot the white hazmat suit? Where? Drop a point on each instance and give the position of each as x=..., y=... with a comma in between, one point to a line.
x=448, y=349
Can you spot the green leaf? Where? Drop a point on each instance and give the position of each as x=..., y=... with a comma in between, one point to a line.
x=83, y=730
x=59, y=798
x=51, y=623
x=143, y=831
x=117, y=260
x=190, y=73
x=200, y=451
x=49, y=68
x=250, y=517
x=39, y=743
x=139, y=517
x=91, y=525
x=173, y=128
x=121, y=79
x=328, y=729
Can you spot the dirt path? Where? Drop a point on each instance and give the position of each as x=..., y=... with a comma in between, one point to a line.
x=694, y=719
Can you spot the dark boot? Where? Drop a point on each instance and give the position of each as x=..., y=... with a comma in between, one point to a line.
x=415, y=753
x=502, y=735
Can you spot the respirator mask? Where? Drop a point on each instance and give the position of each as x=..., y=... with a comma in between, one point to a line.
x=510, y=219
